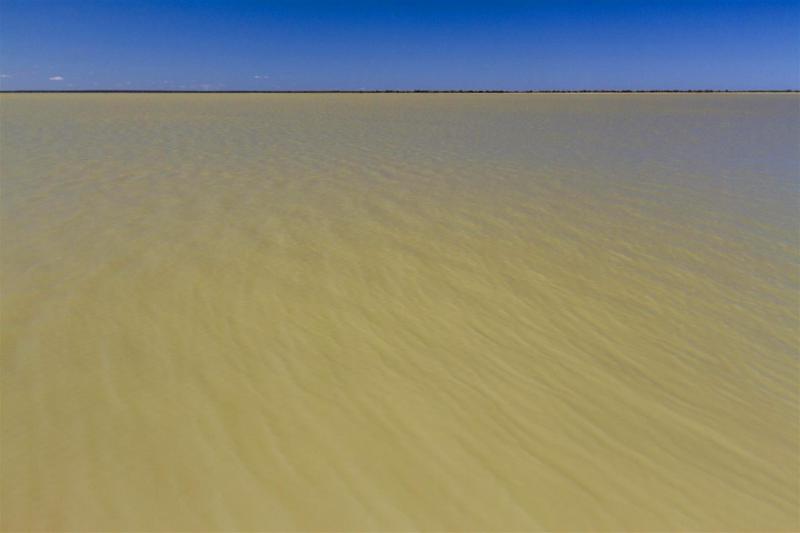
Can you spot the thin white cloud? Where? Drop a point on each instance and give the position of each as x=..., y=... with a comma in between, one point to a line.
x=261, y=77
x=56, y=78
x=5, y=75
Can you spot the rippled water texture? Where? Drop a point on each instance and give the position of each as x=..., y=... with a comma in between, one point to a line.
x=400, y=312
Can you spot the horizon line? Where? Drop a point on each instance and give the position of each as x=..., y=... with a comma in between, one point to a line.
x=401, y=91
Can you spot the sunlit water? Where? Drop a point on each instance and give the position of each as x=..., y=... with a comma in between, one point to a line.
x=400, y=312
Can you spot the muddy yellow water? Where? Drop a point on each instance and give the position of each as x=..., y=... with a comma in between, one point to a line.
x=400, y=312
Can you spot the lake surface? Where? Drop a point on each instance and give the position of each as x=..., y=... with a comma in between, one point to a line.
x=400, y=312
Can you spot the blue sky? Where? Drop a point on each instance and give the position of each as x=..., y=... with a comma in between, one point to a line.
x=281, y=45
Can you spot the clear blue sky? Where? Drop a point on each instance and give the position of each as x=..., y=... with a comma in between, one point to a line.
x=279, y=45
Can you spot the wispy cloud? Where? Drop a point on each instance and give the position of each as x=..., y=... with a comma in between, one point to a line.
x=56, y=78
x=261, y=77
x=5, y=75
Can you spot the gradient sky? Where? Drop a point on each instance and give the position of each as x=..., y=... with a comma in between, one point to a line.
x=279, y=45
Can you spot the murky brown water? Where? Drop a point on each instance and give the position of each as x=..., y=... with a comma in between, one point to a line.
x=400, y=312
